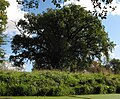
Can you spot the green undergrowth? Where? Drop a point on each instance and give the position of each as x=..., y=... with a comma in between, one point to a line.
x=56, y=83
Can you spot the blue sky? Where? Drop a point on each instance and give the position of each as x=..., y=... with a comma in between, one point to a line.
x=111, y=23
x=112, y=26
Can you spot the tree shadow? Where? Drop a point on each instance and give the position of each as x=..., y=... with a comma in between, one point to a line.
x=80, y=97
x=5, y=98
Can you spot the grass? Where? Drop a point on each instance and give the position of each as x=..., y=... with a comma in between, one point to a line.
x=105, y=96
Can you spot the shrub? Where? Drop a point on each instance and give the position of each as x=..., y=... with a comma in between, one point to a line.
x=83, y=89
x=17, y=90
x=44, y=91
x=3, y=89
x=111, y=89
x=100, y=89
x=31, y=90
x=56, y=83
x=62, y=91
x=118, y=89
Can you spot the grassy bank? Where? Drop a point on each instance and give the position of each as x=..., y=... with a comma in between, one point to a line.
x=105, y=96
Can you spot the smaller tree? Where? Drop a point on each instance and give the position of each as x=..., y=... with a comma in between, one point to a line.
x=3, y=16
x=114, y=64
x=3, y=21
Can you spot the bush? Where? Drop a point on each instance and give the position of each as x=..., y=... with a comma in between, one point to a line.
x=62, y=91
x=3, y=89
x=101, y=89
x=111, y=89
x=44, y=91
x=56, y=83
x=84, y=89
x=118, y=89
x=31, y=90
x=17, y=90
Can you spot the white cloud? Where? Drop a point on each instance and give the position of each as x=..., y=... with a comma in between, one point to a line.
x=84, y=3
x=116, y=52
x=117, y=10
x=89, y=6
x=7, y=56
x=14, y=13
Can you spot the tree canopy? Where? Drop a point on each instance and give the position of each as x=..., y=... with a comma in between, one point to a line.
x=3, y=21
x=70, y=37
x=103, y=5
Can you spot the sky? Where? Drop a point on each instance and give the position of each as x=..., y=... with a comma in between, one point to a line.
x=112, y=23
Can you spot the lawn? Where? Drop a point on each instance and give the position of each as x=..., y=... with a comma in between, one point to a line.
x=106, y=96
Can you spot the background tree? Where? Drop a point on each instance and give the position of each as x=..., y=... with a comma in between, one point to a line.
x=103, y=5
x=3, y=22
x=70, y=37
x=114, y=64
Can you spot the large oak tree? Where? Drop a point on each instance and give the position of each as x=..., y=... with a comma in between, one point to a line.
x=70, y=37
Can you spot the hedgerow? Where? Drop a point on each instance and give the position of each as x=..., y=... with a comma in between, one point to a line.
x=56, y=83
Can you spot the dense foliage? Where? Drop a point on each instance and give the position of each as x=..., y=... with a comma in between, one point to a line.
x=3, y=16
x=3, y=21
x=55, y=83
x=70, y=37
